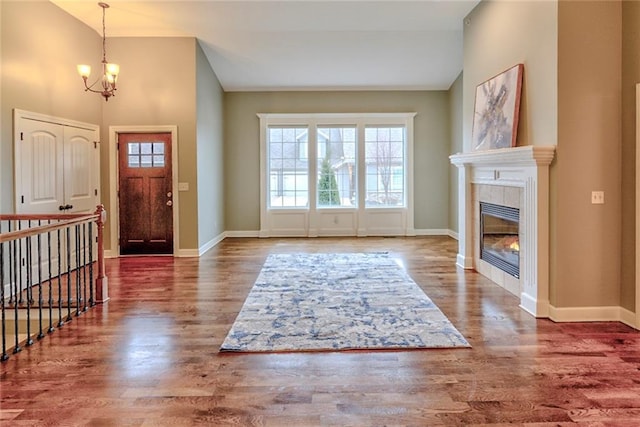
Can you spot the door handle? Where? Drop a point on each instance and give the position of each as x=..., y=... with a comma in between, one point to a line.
x=61, y=208
x=68, y=207
x=169, y=203
x=65, y=207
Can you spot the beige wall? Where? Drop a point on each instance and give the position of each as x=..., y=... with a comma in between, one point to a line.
x=586, y=269
x=157, y=86
x=630, y=77
x=41, y=46
x=455, y=146
x=210, y=149
x=500, y=34
x=242, y=145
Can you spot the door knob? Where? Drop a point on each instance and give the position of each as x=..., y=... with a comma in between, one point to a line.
x=169, y=194
x=169, y=203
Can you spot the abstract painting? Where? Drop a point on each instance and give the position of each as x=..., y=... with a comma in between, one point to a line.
x=497, y=107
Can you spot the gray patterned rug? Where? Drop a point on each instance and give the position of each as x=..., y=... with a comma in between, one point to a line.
x=312, y=302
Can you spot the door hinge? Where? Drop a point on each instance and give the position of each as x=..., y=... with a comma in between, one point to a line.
x=95, y=144
x=22, y=199
x=95, y=192
x=21, y=136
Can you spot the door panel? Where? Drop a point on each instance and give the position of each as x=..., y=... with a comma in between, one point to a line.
x=145, y=193
x=80, y=166
x=39, y=160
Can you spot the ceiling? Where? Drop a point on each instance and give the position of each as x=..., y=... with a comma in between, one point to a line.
x=303, y=44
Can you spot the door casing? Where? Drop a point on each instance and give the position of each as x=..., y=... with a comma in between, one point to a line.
x=114, y=222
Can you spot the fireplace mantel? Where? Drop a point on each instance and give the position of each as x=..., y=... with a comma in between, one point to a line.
x=525, y=167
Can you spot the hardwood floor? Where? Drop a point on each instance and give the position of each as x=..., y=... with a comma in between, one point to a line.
x=149, y=357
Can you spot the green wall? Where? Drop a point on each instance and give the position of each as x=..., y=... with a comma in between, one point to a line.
x=242, y=146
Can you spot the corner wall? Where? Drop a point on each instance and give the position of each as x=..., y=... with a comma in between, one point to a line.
x=455, y=146
x=630, y=77
x=210, y=153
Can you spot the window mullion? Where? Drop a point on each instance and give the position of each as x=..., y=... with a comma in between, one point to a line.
x=313, y=162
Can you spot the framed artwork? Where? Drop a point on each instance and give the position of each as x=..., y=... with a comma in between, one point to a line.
x=496, y=110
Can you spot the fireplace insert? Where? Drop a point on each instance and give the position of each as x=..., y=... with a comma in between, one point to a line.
x=500, y=237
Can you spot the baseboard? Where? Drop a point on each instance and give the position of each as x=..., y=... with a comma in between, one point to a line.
x=435, y=232
x=187, y=253
x=237, y=233
x=629, y=318
x=464, y=262
x=592, y=314
x=108, y=253
x=211, y=243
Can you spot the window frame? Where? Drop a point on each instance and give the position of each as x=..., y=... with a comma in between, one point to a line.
x=314, y=121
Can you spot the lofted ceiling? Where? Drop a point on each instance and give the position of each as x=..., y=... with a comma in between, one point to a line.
x=303, y=44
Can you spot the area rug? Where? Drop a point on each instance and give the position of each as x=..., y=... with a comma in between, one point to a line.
x=338, y=301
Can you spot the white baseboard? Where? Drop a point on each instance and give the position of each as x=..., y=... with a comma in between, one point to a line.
x=435, y=232
x=237, y=233
x=593, y=314
x=464, y=262
x=211, y=243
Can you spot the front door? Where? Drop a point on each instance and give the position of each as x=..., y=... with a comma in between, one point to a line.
x=145, y=193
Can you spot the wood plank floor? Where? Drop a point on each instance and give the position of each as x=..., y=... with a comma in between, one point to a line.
x=149, y=357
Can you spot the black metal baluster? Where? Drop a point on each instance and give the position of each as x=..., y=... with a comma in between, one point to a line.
x=91, y=284
x=28, y=288
x=40, y=297
x=14, y=278
x=60, y=320
x=12, y=296
x=50, y=299
x=20, y=301
x=78, y=286
x=69, y=274
x=84, y=267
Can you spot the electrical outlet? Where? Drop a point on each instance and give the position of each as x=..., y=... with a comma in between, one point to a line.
x=597, y=197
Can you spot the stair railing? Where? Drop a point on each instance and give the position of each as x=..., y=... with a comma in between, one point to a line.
x=51, y=269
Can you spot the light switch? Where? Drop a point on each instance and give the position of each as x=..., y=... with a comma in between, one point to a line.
x=183, y=186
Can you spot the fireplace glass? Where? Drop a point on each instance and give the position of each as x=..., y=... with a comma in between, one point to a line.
x=500, y=237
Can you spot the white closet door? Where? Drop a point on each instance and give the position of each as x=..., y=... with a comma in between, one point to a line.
x=39, y=167
x=81, y=171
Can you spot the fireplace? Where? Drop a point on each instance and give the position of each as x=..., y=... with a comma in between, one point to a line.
x=500, y=237
x=517, y=177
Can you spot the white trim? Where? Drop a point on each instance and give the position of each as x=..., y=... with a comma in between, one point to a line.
x=187, y=253
x=211, y=243
x=110, y=254
x=113, y=180
x=53, y=119
x=637, y=305
x=591, y=314
x=433, y=232
x=240, y=233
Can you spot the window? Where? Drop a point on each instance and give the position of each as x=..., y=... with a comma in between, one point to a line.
x=145, y=154
x=336, y=174
x=384, y=159
x=288, y=166
x=336, y=168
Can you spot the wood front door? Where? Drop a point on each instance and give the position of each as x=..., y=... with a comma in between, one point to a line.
x=145, y=193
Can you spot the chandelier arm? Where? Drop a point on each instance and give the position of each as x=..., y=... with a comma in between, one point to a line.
x=109, y=71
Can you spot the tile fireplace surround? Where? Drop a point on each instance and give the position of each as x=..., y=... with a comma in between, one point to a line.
x=518, y=170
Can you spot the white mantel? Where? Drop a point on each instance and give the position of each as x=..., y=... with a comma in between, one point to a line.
x=527, y=168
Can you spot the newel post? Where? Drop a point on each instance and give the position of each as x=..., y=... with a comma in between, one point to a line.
x=102, y=283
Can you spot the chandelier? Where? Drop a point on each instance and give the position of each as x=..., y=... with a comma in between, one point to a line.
x=107, y=86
